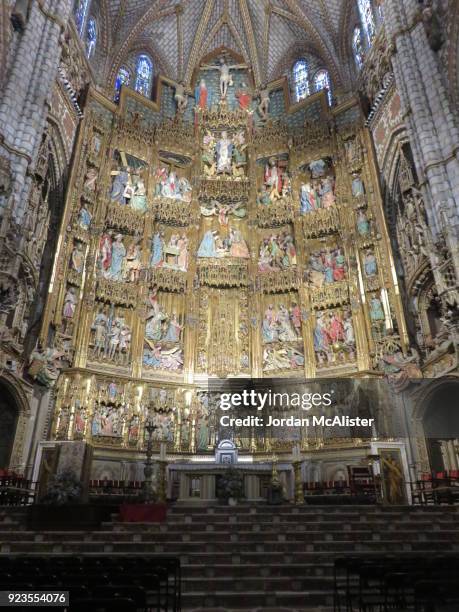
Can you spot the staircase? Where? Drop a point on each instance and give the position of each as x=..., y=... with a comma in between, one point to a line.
x=256, y=556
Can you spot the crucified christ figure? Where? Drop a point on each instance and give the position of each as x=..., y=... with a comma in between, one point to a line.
x=225, y=74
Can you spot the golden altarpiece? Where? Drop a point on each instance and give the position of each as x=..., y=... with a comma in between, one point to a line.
x=212, y=245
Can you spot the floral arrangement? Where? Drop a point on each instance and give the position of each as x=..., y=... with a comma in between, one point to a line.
x=230, y=485
x=64, y=489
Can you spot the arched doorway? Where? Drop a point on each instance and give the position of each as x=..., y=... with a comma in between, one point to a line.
x=441, y=427
x=9, y=414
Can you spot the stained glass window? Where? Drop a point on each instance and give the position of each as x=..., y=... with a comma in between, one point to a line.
x=122, y=78
x=322, y=81
x=91, y=37
x=357, y=47
x=81, y=12
x=301, y=79
x=144, y=75
x=367, y=19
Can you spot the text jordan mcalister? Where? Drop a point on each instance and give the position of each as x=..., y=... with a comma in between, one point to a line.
x=291, y=421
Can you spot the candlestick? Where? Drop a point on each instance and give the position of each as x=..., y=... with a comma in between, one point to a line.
x=298, y=481
x=148, y=488
x=296, y=453
x=162, y=481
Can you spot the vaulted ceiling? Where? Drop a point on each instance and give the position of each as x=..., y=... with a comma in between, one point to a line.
x=266, y=33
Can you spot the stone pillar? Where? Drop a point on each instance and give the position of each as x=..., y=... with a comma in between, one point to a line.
x=208, y=487
x=252, y=487
x=6, y=36
x=183, y=487
x=23, y=104
x=452, y=455
x=285, y=482
x=429, y=119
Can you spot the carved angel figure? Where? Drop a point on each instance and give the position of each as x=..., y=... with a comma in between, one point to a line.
x=181, y=97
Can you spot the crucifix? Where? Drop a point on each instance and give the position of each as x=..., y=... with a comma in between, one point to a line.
x=225, y=74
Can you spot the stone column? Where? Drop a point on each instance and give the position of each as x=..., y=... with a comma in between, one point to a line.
x=208, y=482
x=23, y=105
x=429, y=119
x=252, y=487
x=183, y=487
x=452, y=455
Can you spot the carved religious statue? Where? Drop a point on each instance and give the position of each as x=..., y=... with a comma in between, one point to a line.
x=334, y=336
x=224, y=154
x=277, y=252
x=168, y=218
x=273, y=179
x=45, y=365
x=84, y=217
x=214, y=246
x=70, y=303
x=244, y=96
x=393, y=479
x=326, y=266
x=226, y=79
x=202, y=96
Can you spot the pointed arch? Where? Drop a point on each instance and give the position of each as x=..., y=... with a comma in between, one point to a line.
x=12, y=390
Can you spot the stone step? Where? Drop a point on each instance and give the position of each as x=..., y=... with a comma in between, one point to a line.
x=183, y=547
x=269, y=548
x=263, y=508
x=279, y=528
x=255, y=556
x=278, y=535
x=256, y=583
x=154, y=529
x=257, y=599
x=242, y=570
x=311, y=518
x=293, y=538
x=148, y=530
x=211, y=534
x=231, y=526
x=303, y=518
x=213, y=537
x=306, y=520
x=252, y=561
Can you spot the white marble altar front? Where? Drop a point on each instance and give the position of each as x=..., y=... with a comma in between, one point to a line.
x=197, y=480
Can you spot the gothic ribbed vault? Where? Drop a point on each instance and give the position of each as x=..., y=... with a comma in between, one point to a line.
x=266, y=33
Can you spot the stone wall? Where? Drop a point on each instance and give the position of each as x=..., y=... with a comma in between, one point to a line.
x=414, y=126
x=6, y=37
x=38, y=124
x=23, y=107
x=43, y=80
